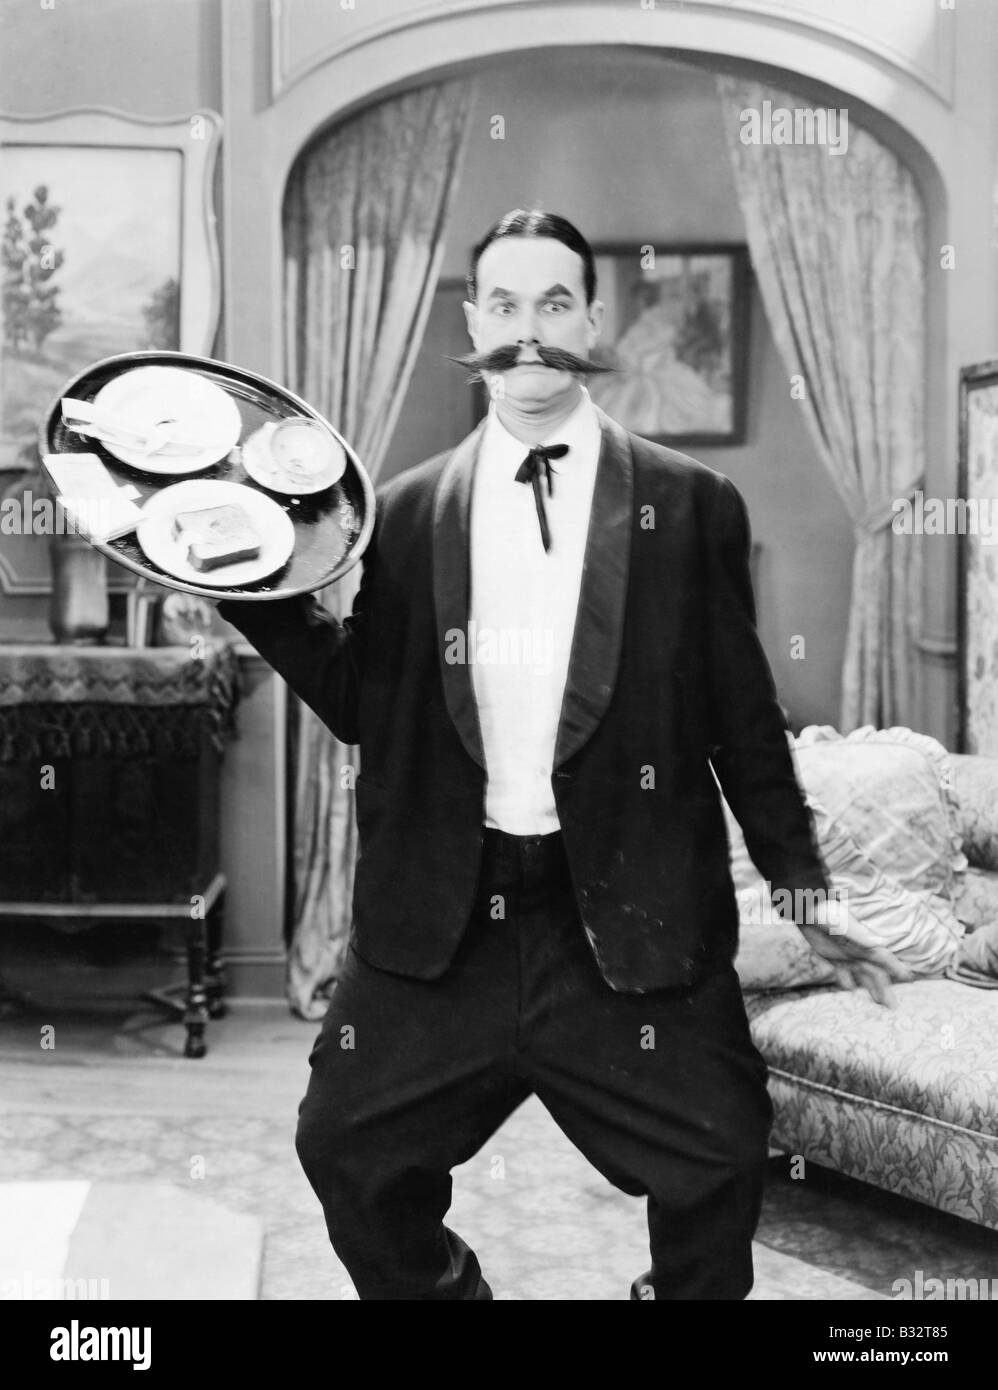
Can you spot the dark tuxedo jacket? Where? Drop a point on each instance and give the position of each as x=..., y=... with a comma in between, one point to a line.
x=666, y=677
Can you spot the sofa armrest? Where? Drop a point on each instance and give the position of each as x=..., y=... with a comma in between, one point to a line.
x=975, y=784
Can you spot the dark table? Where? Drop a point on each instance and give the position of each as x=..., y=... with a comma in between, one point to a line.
x=109, y=796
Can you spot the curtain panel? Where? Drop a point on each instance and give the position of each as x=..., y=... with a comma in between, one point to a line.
x=365, y=216
x=838, y=245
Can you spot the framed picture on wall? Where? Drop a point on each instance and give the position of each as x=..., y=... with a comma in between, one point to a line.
x=676, y=333
x=978, y=561
x=108, y=246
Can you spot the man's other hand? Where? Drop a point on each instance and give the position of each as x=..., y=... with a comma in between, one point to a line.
x=860, y=961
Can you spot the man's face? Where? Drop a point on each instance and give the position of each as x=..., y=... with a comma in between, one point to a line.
x=531, y=290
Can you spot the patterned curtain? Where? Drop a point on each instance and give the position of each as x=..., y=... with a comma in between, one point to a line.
x=838, y=245
x=365, y=215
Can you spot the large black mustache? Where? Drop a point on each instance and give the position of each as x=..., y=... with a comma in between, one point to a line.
x=502, y=359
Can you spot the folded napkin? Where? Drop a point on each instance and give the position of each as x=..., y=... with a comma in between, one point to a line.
x=113, y=427
x=96, y=506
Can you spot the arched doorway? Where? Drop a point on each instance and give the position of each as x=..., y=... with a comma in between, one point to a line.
x=900, y=85
x=300, y=68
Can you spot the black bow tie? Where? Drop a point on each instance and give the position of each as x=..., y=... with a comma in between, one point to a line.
x=539, y=461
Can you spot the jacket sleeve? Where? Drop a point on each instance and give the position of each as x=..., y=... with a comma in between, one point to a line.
x=321, y=659
x=751, y=754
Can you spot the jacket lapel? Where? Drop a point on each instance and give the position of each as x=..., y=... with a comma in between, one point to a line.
x=452, y=588
x=595, y=657
x=599, y=625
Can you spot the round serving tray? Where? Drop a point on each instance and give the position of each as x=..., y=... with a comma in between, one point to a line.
x=332, y=528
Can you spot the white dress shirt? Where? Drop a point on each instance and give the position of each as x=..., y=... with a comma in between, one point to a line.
x=523, y=606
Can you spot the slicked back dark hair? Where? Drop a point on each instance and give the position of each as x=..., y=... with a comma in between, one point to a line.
x=534, y=222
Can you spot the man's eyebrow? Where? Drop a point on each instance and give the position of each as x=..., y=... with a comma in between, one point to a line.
x=554, y=292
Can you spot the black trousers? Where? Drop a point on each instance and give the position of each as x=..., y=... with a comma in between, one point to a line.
x=663, y=1092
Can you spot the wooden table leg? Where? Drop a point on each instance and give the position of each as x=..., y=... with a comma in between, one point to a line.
x=215, y=977
x=196, y=1013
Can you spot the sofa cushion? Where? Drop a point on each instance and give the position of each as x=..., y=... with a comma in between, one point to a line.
x=936, y=1053
x=904, y=1098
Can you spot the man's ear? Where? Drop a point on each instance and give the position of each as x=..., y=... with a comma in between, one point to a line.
x=594, y=315
x=471, y=319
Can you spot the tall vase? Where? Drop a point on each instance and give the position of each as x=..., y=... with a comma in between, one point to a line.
x=78, y=608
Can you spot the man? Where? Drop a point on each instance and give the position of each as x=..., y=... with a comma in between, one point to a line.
x=549, y=651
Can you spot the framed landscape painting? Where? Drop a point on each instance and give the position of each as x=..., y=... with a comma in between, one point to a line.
x=978, y=562
x=676, y=334
x=108, y=246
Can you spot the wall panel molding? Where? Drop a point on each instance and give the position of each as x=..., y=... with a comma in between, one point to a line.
x=306, y=34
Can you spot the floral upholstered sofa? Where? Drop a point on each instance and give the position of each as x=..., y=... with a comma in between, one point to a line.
x=904, y=1098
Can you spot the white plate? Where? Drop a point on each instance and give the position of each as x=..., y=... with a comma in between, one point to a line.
x=273, y=525
x=148, y=395
x=265, y=456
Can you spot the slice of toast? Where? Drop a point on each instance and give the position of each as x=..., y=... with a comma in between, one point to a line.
x=217, y=536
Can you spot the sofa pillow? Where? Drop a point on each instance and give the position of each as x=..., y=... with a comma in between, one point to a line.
x=887, y=826
x=920, y=929
x=892, y=790
x=772, y=953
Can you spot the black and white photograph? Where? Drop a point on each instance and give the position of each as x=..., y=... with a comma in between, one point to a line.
x=498, y=667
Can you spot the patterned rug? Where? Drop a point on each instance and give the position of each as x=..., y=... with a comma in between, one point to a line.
x=115, y=1103
x=545, y=1225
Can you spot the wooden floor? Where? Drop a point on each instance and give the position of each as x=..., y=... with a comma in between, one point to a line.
x=257, y=1063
